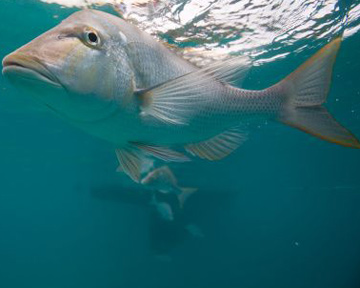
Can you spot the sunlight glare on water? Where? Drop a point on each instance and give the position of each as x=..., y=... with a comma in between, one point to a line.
x=255, y=27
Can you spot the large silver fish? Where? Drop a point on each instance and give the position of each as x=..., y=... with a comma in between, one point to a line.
x=109, y=78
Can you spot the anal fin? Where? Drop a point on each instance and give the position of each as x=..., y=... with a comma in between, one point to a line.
x=219, y=146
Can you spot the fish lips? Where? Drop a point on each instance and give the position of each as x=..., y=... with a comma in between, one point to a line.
x=28, y=68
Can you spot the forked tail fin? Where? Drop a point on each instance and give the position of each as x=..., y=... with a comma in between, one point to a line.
x=306, y=90
x=185, y=193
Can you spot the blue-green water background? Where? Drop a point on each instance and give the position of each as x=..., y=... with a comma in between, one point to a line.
x=283, y=211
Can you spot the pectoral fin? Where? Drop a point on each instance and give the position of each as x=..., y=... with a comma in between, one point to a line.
x=175, y=101
x=219, y=146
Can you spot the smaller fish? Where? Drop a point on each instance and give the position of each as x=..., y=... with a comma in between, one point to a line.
x=163, y=180
x=163, y=209
x=194, y=231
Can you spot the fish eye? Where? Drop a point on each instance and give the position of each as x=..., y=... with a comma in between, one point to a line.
x=92, y=38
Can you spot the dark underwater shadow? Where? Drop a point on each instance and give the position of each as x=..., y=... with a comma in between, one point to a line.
x=117, y=193
x=165, y=236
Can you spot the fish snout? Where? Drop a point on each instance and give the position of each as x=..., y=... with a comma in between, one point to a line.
x=41, y=58
x=25, y=63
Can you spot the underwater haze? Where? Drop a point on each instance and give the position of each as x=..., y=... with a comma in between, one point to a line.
x=283, y=211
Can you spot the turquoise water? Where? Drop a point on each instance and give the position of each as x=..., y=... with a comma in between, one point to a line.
x=282, y=211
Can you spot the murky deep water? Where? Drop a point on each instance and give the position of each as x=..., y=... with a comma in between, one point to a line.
x=282, y=211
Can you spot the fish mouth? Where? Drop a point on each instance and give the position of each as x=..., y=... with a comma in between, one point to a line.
x=27, y=67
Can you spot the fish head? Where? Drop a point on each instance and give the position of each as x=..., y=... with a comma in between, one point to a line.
x=79, y=68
